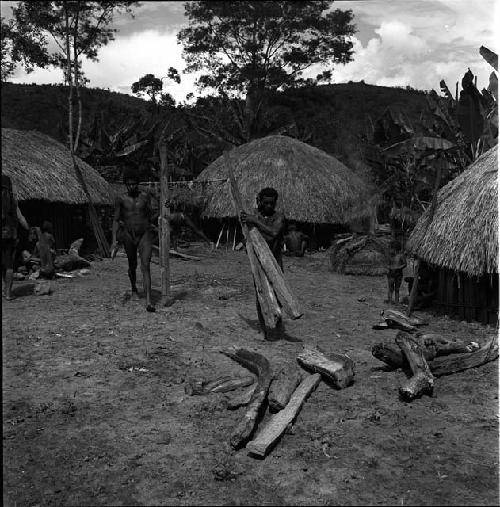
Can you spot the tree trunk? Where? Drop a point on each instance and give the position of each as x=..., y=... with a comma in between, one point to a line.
x=164, y=226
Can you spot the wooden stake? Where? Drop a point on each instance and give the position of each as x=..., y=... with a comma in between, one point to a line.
x=164, y=226
x=279, y=422
x=414, y=288
x=220, y=235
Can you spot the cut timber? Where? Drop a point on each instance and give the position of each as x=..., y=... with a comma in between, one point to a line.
x=283, y=386
x=280, y=421
x=448, y=365
x=422, y=381
x=268, y=302
x=219, y=385
x=239, y=400
x=434, y=345
x=275, y=275
x=175, y=253
x=396, y=315
x=337, y=368
x=260, y=366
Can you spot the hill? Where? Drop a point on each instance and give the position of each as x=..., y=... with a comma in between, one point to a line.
x=336, y=118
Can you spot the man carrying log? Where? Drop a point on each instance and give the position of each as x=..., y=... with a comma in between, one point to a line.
x=133, y=226
x=271, y=224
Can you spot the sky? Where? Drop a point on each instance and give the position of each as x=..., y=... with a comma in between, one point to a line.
x=398, y=43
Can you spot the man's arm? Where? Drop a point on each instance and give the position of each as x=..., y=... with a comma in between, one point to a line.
x=21, y=219
x=273, y=230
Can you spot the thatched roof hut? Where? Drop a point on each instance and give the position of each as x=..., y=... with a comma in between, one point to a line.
x=41, y=168
x=463, y=234
x=313, y=186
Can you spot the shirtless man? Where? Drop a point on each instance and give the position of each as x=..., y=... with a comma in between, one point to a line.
x=133, y=226
x=271, y=224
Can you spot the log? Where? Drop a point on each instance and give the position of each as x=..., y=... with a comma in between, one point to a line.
x=277, y=425
x=219, y=385
x=274, y=273
x=282, y=387
x=268, y=302
x=422, y=381
x=397, y=315
x=260, y=366
x=241, y=399
x=337, y=368
x=448, y=365
x=70, y=262
x=176, y=253
x=435, y=345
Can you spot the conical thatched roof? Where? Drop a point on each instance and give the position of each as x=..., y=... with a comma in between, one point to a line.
x=41, y=168
x=463, y=235
x=313, y=186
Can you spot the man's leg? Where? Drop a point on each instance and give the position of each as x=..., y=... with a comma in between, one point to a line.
x=145, y=251
x=131, y=251
x=397, y=285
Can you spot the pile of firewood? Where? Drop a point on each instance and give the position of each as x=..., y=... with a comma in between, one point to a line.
x=285, y=393
x=419, y=355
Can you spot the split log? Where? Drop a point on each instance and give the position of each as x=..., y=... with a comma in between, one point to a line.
x=260, y=366
x=268, y=302
x=219, y=385
x=277, y=425
x=283, y=386
x=239, y=400
x=448, y=365
x=434, y=345
x=337, y=368
x=397, y=315
x=275, y=275
x=422, y=381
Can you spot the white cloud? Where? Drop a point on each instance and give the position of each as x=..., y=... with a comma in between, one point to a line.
x=419, y=43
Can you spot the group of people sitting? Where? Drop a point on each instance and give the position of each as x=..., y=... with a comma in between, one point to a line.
x=36, y=255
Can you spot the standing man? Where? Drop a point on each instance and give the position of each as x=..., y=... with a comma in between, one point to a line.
x=11, y=217
x=133, y=226
x=271, y=224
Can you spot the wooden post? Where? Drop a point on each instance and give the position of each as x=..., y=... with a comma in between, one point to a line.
x=164, y=227
x=414, y=288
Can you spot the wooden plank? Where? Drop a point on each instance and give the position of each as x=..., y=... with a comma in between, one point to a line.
x=270, y=308
x=260, y=366
x=277, y=425
x=275, y=275
x=337, y=368
x=282, y=386
x=422, y=381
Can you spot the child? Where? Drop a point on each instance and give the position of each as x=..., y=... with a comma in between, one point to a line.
x=295, y=241
x=46, y=249
x=397, y=263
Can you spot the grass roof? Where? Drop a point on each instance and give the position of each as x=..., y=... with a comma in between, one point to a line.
x=312, y=185
x=463, y=235
x=41, y=168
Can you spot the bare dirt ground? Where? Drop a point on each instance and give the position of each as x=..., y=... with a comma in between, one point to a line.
x=95, y=413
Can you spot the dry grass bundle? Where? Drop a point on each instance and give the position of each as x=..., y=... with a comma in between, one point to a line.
x=41, y=168
x=463, y=234
x=313, y=186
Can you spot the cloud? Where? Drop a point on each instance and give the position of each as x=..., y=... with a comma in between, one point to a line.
x=125, y=60
x=419, y=43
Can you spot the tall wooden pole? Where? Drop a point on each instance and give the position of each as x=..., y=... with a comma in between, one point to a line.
x=164, y=227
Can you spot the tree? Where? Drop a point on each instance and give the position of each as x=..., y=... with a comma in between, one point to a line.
x=250, y=48
x=78, y=28
x=152, y=86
